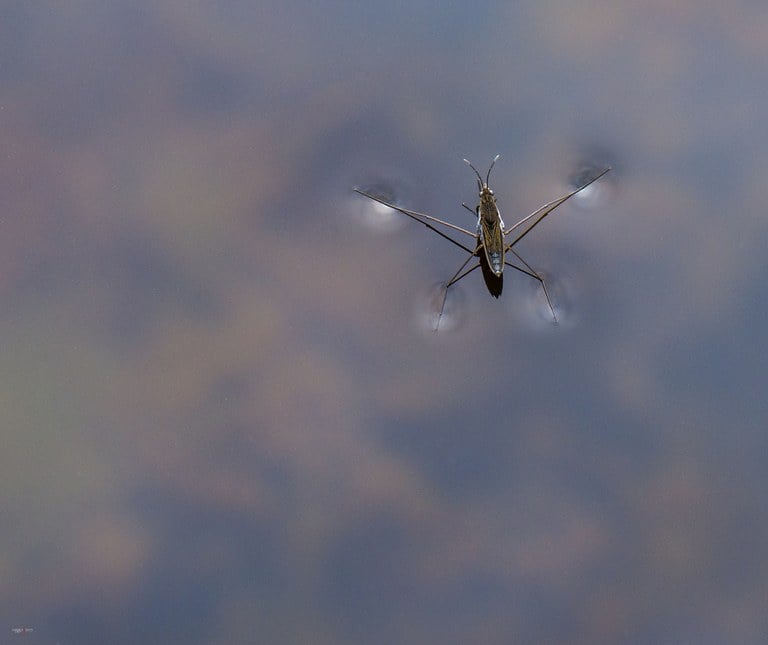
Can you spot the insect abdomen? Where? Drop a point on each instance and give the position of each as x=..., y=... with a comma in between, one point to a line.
x=493, y=243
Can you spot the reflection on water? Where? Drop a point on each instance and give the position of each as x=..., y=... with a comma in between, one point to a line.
x=595, y=195
x=374, y=215
x=239, y=427
x=454, y=313
x=528, y=304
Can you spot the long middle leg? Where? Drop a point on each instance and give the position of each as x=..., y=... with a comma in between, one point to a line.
x=541, y=212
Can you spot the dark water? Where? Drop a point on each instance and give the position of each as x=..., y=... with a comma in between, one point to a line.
x=223, y=418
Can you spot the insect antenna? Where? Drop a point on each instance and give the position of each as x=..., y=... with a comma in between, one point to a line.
x=487, y=176
x=479, y=178
x=493, y=163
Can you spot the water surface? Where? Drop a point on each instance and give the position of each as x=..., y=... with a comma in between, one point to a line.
x=222, y=419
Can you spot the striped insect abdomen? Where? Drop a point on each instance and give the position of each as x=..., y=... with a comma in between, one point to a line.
x=493, y=242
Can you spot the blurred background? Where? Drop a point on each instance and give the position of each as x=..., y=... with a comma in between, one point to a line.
x=223, y=418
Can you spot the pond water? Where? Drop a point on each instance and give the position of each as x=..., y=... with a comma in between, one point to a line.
x=224, y=416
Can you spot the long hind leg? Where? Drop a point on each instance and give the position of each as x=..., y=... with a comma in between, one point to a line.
x=530, y=272
x=461, y=273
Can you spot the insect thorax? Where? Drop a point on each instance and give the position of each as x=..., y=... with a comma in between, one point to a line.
x=487, y=208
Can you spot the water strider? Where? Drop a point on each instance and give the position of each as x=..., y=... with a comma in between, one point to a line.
x=490, y=237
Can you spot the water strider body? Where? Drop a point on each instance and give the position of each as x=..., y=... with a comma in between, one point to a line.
x=490, y=226
x=490, y=238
